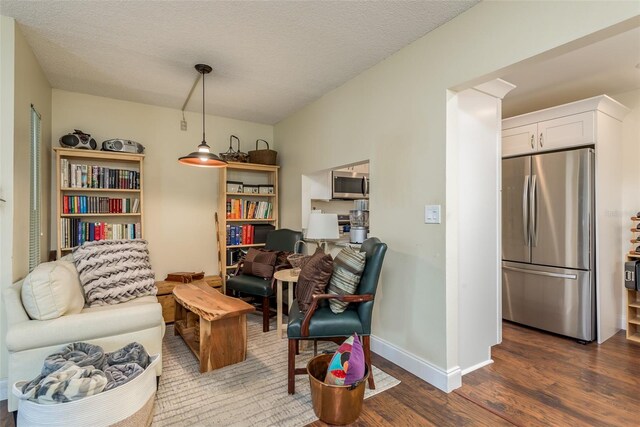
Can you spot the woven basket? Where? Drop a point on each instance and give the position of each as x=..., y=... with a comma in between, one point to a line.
x=263, y=157
x=297, y=260
x=232, y=155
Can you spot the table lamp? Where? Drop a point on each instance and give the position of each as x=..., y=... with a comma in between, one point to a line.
x=322, y=227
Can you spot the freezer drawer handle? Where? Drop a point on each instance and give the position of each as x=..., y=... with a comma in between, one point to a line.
x=543, y=273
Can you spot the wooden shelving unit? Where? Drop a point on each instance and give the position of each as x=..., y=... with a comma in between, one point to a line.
x=633, y=297
x=251, y=174
x=125, y=161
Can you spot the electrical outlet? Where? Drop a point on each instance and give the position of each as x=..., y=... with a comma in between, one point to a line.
x=183, y=125
x=432, y=214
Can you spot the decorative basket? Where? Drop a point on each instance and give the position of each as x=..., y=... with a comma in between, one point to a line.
x=263, y=157
x=130, y=404
x=232, y=155
x=297, y=261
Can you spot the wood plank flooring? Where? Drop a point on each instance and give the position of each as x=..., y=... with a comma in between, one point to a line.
x=537, y=379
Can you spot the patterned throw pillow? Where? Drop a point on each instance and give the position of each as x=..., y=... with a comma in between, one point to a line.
x=114, y=271
x=314, y=278
x=259, y=262
x=347, y=364
x=347, y=271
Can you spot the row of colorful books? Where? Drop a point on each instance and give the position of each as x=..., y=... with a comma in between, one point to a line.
x=240, y=234
x=246, y=209
x=95, y=204
x=93, y=176
x=75, y=232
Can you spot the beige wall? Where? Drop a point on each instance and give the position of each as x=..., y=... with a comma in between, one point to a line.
x=179, y=200
x=631, y=180
x=31, y=87
x=394, y=114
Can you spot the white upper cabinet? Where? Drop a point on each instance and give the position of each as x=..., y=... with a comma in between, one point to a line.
x=565, y=126
x=569, y=131
x=519, y=140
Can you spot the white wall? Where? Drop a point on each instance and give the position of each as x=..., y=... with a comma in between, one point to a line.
x=394, y=114
x=180, y=201
x=630, y=181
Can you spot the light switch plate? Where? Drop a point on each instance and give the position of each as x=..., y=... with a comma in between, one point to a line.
x=432, y=214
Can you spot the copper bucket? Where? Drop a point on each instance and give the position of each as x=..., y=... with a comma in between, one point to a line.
x=334, y=404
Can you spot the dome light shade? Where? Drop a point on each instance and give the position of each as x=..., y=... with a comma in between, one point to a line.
x=203, y=157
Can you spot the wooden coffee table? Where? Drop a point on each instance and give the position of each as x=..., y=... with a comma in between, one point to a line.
x=219, y=337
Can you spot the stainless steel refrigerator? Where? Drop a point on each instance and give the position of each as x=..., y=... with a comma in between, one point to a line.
x=548, y=278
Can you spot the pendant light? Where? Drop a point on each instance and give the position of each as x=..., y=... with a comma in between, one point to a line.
x=203, y=157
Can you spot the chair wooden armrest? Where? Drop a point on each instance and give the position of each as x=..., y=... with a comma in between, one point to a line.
x=304, y=328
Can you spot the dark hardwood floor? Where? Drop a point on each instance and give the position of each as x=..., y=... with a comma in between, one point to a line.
x=537, y=379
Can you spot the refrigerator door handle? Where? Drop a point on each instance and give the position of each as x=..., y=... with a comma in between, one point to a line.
x=533, y=211
x=525, y=209
x=542, y=273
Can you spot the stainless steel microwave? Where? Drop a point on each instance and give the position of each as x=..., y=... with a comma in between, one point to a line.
x=350, y=185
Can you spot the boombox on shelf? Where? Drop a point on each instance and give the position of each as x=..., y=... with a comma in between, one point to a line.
x=78, y=139
x=123, y=145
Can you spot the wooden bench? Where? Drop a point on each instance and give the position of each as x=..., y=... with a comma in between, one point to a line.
x=219, y=338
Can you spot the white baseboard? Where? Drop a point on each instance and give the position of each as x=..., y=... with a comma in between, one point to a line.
x=477, y=366
x=446, y=381
x=3, y=389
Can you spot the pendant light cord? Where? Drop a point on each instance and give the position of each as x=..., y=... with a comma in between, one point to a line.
x=203, y=116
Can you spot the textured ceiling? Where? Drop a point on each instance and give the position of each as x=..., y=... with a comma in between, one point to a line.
x=609, y=66
x=270, y=58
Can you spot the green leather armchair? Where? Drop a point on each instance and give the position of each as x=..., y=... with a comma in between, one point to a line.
x=320, y=323
x=277, y=240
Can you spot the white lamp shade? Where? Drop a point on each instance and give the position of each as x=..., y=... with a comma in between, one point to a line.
x=322, y=226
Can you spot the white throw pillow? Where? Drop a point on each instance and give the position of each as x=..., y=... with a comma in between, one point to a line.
x=52, y=290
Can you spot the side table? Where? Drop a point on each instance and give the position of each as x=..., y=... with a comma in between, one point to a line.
x=281, y=277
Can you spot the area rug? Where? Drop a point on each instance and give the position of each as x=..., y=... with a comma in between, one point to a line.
x=253, y=392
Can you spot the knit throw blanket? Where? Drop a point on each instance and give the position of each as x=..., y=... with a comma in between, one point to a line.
x=114, y=271
x=81, y=369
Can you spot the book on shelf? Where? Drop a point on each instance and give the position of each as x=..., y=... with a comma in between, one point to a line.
x=75, y=232
x=96, y=204
x=94, y=176
x=240, y=234
x=247, y=209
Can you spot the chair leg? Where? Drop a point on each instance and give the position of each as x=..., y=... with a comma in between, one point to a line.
x=291, y=366
x=315, y=348
x=265, y=314
x=366, y=343
x=297, y=347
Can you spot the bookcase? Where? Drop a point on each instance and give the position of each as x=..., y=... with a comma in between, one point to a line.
x=247, y=203
x=633, y=297
x=99, y=195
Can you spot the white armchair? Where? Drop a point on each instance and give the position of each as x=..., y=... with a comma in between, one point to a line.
x=113, y=326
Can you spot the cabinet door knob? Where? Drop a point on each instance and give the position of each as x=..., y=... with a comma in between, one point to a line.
x=532, y=136
x=541, y=144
